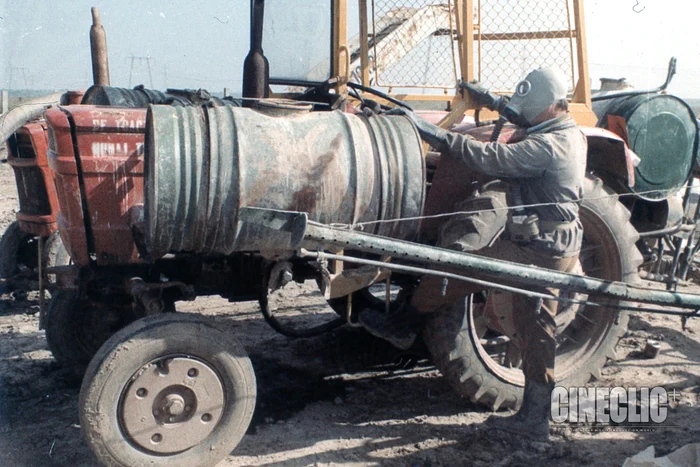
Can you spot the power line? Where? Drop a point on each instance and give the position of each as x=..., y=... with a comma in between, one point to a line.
x=135, y=59
x=22, y=70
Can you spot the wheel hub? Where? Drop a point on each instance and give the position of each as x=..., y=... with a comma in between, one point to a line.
x=171, y=405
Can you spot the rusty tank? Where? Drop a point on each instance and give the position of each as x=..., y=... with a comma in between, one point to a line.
x=204, y=164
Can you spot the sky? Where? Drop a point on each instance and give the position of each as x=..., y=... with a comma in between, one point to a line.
x=178, y=43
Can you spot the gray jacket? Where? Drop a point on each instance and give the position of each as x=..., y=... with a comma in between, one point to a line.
x=549, y=165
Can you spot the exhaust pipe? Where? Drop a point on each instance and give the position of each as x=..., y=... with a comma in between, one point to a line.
x=256, y=69
x=98, y=49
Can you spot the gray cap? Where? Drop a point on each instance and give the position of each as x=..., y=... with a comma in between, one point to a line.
x=539, y=90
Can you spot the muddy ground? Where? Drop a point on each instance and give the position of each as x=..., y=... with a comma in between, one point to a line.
x=341, y=399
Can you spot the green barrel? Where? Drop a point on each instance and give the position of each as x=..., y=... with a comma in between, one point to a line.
x=663, y=131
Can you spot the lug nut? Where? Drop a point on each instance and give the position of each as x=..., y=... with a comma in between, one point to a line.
x=175, y=405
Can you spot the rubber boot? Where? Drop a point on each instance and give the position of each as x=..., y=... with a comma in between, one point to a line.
x=532, y=420
x=400, y=327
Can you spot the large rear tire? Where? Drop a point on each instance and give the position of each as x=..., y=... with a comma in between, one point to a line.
x=18, y=254
x=19, y=258
x=77, y=327
x=167, y=390
x=463, y=349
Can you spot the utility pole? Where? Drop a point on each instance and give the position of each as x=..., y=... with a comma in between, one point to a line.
x=22, y=70
x=140, y=60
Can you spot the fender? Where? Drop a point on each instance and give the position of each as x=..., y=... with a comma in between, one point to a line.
x=610, y=157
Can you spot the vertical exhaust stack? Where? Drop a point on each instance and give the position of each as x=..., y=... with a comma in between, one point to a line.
x=256, y=69
x=98, y=49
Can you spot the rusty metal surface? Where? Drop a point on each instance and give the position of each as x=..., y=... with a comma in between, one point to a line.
x=204, y=164
x=319, y=237
x=71, y=224
x=38, y=203
x=98, y=191
x=488, y=272
x=98, y=50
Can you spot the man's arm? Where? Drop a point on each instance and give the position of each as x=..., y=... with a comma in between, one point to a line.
x=525, y=159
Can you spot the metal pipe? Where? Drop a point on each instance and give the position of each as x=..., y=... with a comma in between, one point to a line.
x=667, y=231
x=490, y=285
x=380, y=94
x=25, y=112
x=256, y=69
x=318, y=236
x=42, y=302
x=671, y=72
x=98, y=49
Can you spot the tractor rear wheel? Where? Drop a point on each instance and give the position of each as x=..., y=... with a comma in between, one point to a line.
x=167, y=390
x=18, y=255
x=480, y=363
x=76, y=328
x=19, y=258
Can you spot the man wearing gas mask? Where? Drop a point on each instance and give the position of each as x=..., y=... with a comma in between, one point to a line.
x=544, y=172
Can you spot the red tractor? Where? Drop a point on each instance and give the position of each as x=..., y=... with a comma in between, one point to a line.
x=198, y=196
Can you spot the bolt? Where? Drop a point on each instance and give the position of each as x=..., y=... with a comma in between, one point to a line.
x=157, y=438
x=174, y=405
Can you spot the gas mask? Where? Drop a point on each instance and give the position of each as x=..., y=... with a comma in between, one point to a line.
x=535, y=94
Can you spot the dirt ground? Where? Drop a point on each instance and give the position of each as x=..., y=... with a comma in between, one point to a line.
x=341, y=399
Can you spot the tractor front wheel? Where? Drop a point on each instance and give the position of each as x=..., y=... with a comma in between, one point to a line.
x=167, y=390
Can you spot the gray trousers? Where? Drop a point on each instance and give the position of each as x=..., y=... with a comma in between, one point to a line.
x=482, y=233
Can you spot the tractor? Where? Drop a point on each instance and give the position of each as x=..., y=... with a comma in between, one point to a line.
x=163, y=197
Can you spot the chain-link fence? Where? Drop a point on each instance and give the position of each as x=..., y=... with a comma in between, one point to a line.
x=516, y=36
x=413, y=43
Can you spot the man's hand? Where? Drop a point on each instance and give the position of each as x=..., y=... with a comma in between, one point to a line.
x=400, y=111
x=370, y=108
x=482, y=96
x=432, y=134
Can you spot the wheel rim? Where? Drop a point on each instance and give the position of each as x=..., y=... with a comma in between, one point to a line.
x=581, y=338
x=171, y=404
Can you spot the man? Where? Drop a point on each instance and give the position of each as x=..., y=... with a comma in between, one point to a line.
x=544, y=172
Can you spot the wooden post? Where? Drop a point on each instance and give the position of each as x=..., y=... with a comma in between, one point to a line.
x=341, y=55
x=364, y=44
x=582, y=94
